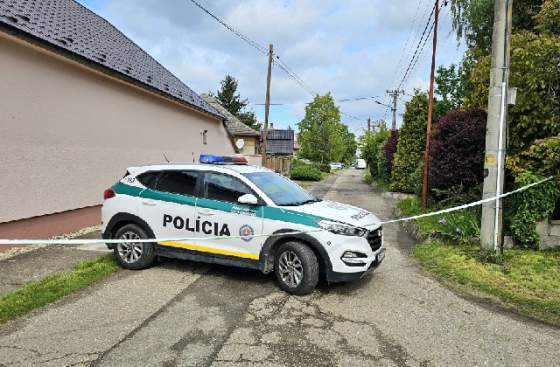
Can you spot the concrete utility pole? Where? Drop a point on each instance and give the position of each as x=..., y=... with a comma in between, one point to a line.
x=368, y=124
x=491, y=223
x=267, y=105
x=394, y=94
x=430, y=110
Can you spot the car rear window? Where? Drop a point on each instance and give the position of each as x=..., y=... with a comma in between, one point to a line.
x=148, y=179
x=178, y=182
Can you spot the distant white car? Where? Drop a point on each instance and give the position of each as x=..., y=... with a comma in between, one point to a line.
x=360, y=164
x=336, y=165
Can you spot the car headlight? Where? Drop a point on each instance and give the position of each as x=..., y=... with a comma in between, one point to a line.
x=341, y=228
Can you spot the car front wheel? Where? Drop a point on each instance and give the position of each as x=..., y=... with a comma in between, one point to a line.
x=130, y=254
x=296, y=268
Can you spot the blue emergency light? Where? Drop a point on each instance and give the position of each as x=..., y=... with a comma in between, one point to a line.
x=221, y=159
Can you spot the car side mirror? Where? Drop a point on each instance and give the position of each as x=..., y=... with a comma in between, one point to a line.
x=248, y=199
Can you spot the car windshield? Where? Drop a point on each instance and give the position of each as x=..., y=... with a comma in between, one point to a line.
x=280, y=190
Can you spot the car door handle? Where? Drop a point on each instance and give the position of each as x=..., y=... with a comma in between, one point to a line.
x=149, y=202
x=206, y=212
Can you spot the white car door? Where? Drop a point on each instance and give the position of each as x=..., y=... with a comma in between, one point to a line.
x=218, y=214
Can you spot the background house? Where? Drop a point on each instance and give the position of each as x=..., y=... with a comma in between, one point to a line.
x=280, y=142
x=279, y=149
x=79, y=103
x=242, y=135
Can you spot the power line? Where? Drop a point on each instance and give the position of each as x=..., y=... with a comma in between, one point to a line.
x=410, y=39
x=421, y=41
x=421, y=53
x=415, y=61
x=248, y=40
x=343, y=100
x=263, y=50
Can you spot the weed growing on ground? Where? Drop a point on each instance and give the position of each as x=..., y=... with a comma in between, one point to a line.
x=38, y=293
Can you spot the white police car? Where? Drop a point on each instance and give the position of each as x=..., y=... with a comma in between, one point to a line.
x=236, y=214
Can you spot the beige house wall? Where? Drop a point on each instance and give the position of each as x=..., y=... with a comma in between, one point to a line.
x=68, y=132
x=250, y=146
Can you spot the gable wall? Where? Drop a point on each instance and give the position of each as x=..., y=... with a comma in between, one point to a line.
x=67, y=132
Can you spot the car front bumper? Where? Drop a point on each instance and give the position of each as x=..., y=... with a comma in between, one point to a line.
x=337, y=277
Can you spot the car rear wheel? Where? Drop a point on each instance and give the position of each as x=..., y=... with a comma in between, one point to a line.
x=296, y=268
x=130, y=254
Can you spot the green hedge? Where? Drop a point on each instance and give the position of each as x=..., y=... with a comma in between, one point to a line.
x=531, y=206
x=305, y=172
x=323, y=167
x=411, y=145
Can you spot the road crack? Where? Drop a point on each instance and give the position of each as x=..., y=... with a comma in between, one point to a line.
x=142, y=325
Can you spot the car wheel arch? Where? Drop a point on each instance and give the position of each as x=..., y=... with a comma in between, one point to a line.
x=121, y=219
x=273, y=243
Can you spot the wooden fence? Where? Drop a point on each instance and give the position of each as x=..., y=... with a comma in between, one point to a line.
x=279, y=163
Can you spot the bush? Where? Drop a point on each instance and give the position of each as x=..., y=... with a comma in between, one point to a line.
x=389, y=150
x=382, y=169
x=323, y=167
x=371, y=144
x=542, y=157
x=547, y=18
x=531, y=206
x=457, y=152
x=304, y=172
x=534, y=69
x=411, y=145
x=308, y=173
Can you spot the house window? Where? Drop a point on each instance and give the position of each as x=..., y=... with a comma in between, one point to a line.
x=204, y=137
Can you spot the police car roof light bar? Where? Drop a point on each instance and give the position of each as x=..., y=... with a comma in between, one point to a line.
x=220, y=159
x=239, y=159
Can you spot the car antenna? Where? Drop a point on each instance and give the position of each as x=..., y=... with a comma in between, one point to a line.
x=165, y=157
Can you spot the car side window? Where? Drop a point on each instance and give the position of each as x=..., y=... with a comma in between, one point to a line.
x=224, y=187
x=178, y=182
x=148, y=179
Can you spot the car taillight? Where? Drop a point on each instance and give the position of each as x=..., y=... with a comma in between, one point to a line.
x=107, y=194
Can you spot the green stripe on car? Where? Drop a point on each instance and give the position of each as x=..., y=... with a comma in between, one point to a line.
x=268, y=212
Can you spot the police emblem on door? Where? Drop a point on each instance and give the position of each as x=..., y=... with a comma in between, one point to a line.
x=246, y=232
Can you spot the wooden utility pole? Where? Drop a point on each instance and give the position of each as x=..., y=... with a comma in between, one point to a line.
x=491, y=222
x=394, y=94
x=267, y=105
x=368, y=124
x=430, y=110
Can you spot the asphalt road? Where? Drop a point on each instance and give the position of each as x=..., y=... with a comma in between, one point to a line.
x=187, y=314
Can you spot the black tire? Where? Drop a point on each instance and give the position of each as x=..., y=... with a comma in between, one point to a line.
x=140, y=255
x=309, y=268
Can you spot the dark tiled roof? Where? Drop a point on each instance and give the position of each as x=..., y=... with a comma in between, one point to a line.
x=281, y=135
x=68, y=25
x=280, y=142
x=233, y=124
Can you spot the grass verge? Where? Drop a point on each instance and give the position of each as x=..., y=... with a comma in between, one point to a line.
x=462, y=226
x=525, y=281
x=38, y=293
x=379, y=181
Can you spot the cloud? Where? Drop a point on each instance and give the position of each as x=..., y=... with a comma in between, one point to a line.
x=349, y=48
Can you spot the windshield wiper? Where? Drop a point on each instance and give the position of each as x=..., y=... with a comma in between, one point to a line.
x=298, y=203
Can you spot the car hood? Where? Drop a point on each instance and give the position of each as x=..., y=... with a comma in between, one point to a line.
x=340, y=212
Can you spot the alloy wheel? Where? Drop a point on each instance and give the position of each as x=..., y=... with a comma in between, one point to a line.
x=131, y=251
x=290, y=268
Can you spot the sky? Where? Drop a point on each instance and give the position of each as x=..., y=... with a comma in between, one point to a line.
x=350, y=48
